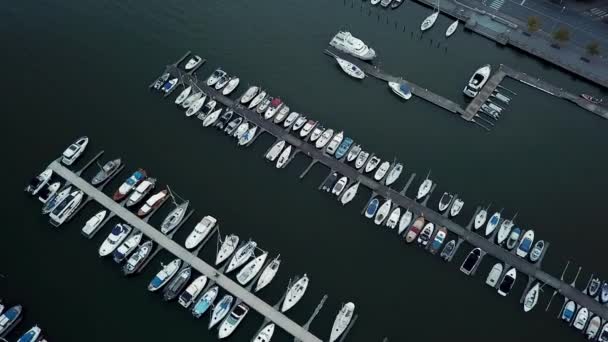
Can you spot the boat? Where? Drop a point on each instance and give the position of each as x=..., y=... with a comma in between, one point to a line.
x=215, y=76
x=127, y=247
x=594, y=287
x=405, y=221
x=375, y=2
x=507, y=282
x=402, y=89
x=192, y=291
x=361, y=159
x=9, y=318
x=414, y=230
x=153, y=202
x=342, y=320
x=308, y=126
x=594, y=327
x=169, y=85
x=425, y=188
x=241, y=130
x=324, y=138
x=232, y=84
x=448, y=250
x=339, y=186
x=205, y=302
x=31, y=335
x=74, y=151
x=118, y=234
x=220, y=310
x=232, y=125
x=425, y=235
x=272, y=108
x=350, y=69
x=193, y=62
x=164, y=275
x=353, y=153
x=221, y=82
x=580, y=321
x=242, y=255
x=396, y=3
x=197, y=105
x=235, y=318
x=456, y=207
x=382, y=170
x=531, y=297
x=224, y=119
x=316, y=133
x=372, y=207
x=129, y=184
x=452, y=28
x=494, y=275
x=492, y=223
x=141, y=191
x=537, y=250
x=470, y=263
x=228, y=246
x=268, y=274
x=248, y=136
x=107, y=170
x=39, y=182
x=284, y=157
x=249, y=271
x=568, y=311
x=503, y=231
x=329, y=181
x=444, y=201
x=394, y=174
x=480, y=218
x=478, y=80
x=49, y=192
x=299, y=123
x=513, y=238
x=161, y=80
x=55, y=199
x=265, y=334
x=393, y=218
x=334, y=143
x=438, y=240
x=177, y=283
x=64, y=210
x=191, y=99
x=349, y=194
x=249, y=94
x=212, y=118
x=604, y=293
x=200, y=231
x=291, y=118
x=275, y=150
x=592, y=99
x=282, y=114
x=604, y=334
x=91, y=225
x=174, y=218
x=343, y=148
x=385, y=3
x=206, y=110
x=138, y=257
x=258, y=99
x=295, y=293
x=344, y=41
x=429, y=21
x=371, y=164
x=525, y=244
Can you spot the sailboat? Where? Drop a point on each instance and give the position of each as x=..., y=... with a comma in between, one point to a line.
x=430, y=20
x=531, y=298
x=451, y=29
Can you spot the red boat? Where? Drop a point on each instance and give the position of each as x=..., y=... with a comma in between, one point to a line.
x=592, y=99
x=153, y=202
x=414, y=230
x=131, y=182
x=276, y=102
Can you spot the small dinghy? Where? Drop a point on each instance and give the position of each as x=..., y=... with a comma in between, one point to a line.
x=494, y=275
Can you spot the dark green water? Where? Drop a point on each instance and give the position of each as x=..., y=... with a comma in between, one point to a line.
x=76, y=68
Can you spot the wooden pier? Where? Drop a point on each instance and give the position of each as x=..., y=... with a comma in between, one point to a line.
x=161, y=239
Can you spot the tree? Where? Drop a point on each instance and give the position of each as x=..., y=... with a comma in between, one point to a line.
x=533, y=24
x=593, y=48
x=562, y=35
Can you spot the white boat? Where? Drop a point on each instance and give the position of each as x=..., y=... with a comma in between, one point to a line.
x=291, y=118
x=342, y=321
x=49, y=193
x=492, y=223
x=183, y=95
x=383, y=212
x=192, y=291
x=361, y=159
x=580, y=321
x=284, y=157
x=200, y=232
x=371, y=164
x=242, y=255
x=339, y=186
x=164, y=275
x=480, y=218
x=94, y=222
x=494, y=275
x=346, y=42
x=507, y=282
x=594, y=327
x=215, y=76
x=334, y=143
x=248, y=136
x=424, y=188
x=222, y=82
x=425, y=235
x=405, y=221
x=138, y=257
x=349, y=194
x=228, y=246
x=153, y=202
x=140, y=191
x=445, y=201
x=568, y=312
x=477, y=81
x=525, y=244
x=207, y=109
x=503, y=231
x=265, y=334
x=174, y=218
x=353, y=153
x=127, y=247
x=324, y=138
x=64, y=210
x=167, y=87
x=531, y=297
x=268, y=273
x=281, y=114
x=513, y=238
x=308, y=126
x=295, y=293
x=402, y=89
x=274, y=106
x=191, y=99
x=350, y=69
x=31, y=335
x=299, y=123
x=193, y=62
x=375, y=2
x=232, y=321
x=452, y=28
x=472, y=260
x=429, y=21
x=537, y=250
x=196, y=106
x=394, y=174
x=54, y=201
x=241, y=130
x=212, y=118
x=456, y=207
x=115, y=238
x=316, y=133
x=249, y=94
x=232, y=84
x=257, y=99
x=205, y=302
x=382, y=170
x=220, y=310
x=74, y=151
x=275, y=150
x=249, y=271
x=393, y=218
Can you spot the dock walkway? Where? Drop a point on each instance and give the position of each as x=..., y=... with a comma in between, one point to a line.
x=228, y=284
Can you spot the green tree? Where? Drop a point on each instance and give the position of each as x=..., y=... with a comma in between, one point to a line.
x=593, y=48
x=533, y=24
x=562, y=35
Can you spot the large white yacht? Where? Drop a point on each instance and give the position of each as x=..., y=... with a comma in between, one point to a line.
x=477, y=81
x=268, y=273
x=233, y=320
x=200, y=232
x=74, y=150
x=115, y=238
x=346, y=42
x=342, y=321
x=64, y=210
x=295, y=293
